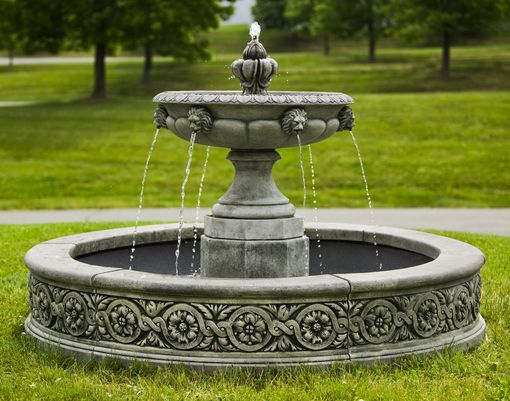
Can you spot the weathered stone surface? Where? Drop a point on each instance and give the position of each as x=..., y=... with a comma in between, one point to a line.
x=253, y=259
x=253, y=229
x=239, y=124
x=253, y=193
x=314, y=320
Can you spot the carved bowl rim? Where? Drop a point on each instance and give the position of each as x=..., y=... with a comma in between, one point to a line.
x=453, y=261
x=283, y=98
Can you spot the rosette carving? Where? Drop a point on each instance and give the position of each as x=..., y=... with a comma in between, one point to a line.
x=40, y=304
x=428, y=317
x=75, y=309
x=248, y=329
x=316, y=327
x=121, y=320
x=378, y=321
x=182, y=326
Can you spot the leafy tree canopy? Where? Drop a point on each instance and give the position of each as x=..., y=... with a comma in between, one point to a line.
x=270, y=13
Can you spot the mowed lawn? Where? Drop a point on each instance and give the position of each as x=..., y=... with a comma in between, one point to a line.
x=428, y=149
x=425, y=141
x=30, y=373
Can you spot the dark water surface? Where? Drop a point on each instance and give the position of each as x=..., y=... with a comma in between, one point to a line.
x=337, y=257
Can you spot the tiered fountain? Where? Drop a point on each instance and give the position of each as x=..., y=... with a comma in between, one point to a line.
x=259, y=300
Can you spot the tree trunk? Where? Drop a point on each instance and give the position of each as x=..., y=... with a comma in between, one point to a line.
x=371, y=32
x=147, y=67
x=11, y=56
x=325, y=44
x=99, y=91
x=445, y=67
x=371, y=41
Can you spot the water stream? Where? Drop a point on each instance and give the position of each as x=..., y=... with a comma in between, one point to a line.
x=196, y=271
x=369, y=198
x=303, y=178
x=183, y=195
x=315, y=210
x=140, y=199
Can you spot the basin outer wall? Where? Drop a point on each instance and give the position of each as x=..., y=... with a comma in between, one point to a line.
x=317, y=320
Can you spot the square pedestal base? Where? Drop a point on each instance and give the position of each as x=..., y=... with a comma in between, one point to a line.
x=253, y=259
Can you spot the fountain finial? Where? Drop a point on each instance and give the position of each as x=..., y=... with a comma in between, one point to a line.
x=255, y=69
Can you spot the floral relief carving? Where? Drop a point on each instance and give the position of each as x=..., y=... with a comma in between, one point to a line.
x=427, y=317
x=250, y=328
x=273, y=327
x=316, y=327
x=41, y=305
x=123, y=321
x=75, y=319
x=462, y=305
x=182, y=327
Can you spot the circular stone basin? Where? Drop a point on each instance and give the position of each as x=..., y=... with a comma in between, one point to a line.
x=253, y=121
x=426, y=297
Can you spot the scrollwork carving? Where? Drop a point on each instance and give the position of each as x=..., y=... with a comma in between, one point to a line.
x=275, y=327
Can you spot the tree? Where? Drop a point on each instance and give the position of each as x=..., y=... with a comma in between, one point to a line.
x=339, y=18
x=170, y=28
x=29, y=27
x=93, y=23
x=313, y=18
x=446, y=20
x=270, y=13
x=167, y=26
x=364, y=16
x=8, y=28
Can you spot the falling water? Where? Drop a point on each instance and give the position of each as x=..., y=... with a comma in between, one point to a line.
x=303, y=178
x=197, y=213
x=315, y=211
x=302, y=169
x=369, y=198
x=183, y=194
x=140, y=200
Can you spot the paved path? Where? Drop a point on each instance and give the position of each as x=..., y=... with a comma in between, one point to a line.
x=486, y=221
x=18, y=103
x=63, y=60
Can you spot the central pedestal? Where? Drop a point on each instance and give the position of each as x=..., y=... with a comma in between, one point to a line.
x=252, y=232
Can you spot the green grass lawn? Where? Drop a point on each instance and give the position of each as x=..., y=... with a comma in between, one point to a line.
x=425, y=141
x=27, y=372
x=440, y=149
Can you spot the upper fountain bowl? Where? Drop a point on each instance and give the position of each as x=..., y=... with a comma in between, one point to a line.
x=268, y=121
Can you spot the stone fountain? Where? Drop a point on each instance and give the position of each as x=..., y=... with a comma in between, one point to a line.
x=260, y=300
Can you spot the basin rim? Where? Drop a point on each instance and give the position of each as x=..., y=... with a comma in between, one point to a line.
x=453, y=262
x=236, y=97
